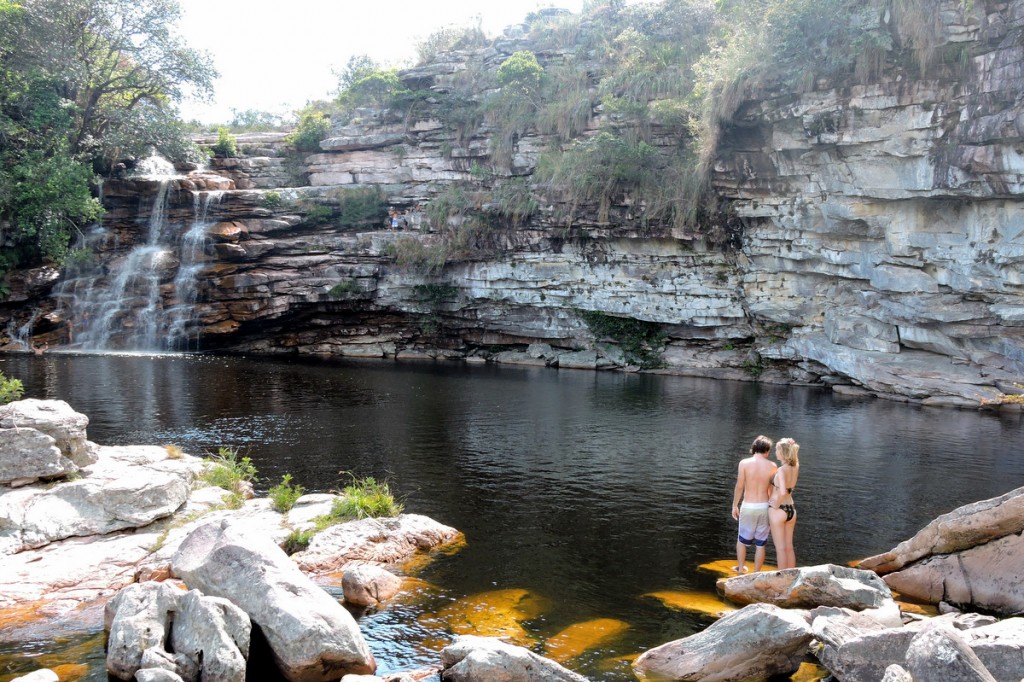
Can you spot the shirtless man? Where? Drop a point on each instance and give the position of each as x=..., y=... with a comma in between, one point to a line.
x=752, y=479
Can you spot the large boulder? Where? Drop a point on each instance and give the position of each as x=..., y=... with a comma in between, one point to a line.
x=214, y=635
x=963, y=528
x=137, y=619
x=373, y=540
x=985, y=577
x=369, y=585
x=1000, y=646
x=809, y=586
x=486, y=659
x=757, y=641
x=312, y=637
x=127, y=487
x=56, y=419
x=27, y=455
x=940, y=653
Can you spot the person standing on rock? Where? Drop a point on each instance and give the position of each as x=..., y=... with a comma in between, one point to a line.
x=781, y=510
x=752, y=483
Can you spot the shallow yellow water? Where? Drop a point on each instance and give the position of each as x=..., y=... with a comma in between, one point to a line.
x=577, y=638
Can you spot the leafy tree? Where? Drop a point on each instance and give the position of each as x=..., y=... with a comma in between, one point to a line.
x=106, y=57
x=254, y=119
x=82, y=83
x=521, y=73
x=313, y=127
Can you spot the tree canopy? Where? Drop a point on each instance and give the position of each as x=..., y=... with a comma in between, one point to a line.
x=83, y=83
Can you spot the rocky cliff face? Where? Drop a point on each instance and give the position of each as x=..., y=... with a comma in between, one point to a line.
x=875, y=243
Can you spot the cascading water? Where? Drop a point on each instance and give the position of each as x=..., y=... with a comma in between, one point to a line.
x=145, y=299
x=192, y=252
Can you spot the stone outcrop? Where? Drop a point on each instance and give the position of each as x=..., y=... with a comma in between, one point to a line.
x=373, y=540
x=758, y=641
x=470, y=658
x=313, y=638
x=145, y=622
x=369, y=585
x=968, y=557
x=807, y=587
x=127, y=487
x=56, y=419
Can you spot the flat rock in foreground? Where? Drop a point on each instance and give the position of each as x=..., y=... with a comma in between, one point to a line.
x=756, y=642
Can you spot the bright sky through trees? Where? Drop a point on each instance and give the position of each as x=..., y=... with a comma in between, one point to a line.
x=275, y=56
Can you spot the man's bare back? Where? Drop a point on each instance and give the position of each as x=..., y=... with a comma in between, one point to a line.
x=752, y=479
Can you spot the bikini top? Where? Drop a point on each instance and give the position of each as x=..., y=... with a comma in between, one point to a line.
x=772, y=484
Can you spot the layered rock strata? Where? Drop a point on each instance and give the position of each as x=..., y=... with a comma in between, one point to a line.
x=876, y=239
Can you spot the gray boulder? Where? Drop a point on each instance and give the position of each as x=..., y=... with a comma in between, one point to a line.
x=940, y=653
x=213, y=634
x=136, y=619
x=127, y=487
x=486, y=659
x=757, y=641
x=373, y=540
x=1000, y=647
x=56, y=419
x=27, y=455
x=809, y=586
x=312, y=637
x=369, y=585
x=984, y=577
x=963, y=528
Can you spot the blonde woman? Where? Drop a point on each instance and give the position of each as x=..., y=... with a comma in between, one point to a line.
x=781, y=509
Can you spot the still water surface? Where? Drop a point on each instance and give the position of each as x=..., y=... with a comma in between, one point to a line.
x=589, y=490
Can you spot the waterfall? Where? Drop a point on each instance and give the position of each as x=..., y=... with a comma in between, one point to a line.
x=128, y=303
x=192, y=251
x=21, y=335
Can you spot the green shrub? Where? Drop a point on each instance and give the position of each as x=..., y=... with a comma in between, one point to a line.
x=362, y=498
x=284, y=495
x=225, y=470
x=10, y=389
x=641, y=341
x=297, y=541
x=360, y=206
x=226, y=144
x=342, y=289
x=365, y=498
x=313, y=127
x=271, y=199
x=318, y=214
x=412, y=254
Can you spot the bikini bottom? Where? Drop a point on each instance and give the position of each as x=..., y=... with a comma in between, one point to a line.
x=789, y=509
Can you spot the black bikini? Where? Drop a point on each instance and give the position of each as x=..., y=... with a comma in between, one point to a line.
x=788, y=508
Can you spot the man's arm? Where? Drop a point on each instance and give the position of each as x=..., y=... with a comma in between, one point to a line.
x=737, y=494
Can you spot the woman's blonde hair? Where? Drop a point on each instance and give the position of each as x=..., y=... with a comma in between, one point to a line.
x=788, y=449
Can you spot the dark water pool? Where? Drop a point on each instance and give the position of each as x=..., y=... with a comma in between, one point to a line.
x=587, y=490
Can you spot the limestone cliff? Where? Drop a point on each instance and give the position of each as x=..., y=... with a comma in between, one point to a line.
x=872, y=238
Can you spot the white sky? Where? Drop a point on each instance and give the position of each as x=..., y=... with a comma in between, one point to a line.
x=276, y=56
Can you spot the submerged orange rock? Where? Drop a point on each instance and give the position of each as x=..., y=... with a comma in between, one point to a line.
x=420, y=560
x=491, y=614
x=809, y=672
x=575, y=639
x=724, y=567
x=698, y=602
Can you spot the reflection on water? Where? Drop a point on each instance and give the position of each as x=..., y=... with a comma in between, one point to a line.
x=585, y=490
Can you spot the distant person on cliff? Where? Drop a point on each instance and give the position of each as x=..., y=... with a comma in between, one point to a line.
x=781, y=510
x=752, y=483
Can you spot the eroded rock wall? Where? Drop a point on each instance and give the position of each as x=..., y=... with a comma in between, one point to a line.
x=878, y=238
